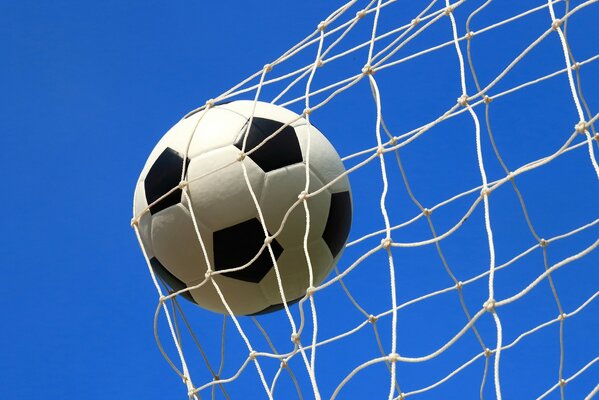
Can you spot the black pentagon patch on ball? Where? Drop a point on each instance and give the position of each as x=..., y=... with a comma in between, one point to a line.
x=236, y=245
x=275, y=307
x=279, y=151
x=171, y=280
x=336, y=230
x=163, y=176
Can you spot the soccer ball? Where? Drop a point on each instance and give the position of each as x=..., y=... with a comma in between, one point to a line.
x=242, y=193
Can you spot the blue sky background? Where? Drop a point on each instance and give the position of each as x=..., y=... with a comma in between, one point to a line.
x=89, y=87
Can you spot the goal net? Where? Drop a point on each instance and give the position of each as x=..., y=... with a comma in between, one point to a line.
x=467, y=129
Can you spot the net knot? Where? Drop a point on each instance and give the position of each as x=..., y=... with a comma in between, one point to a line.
x=209, y=103
x=162, y=299
x=182, y=184
x=487, y=99
x=427, y=212
x=393, y=357
x=489, y=305
x=393, y=141
x=322, y=26
x=216, y=378
x=556, y=24
x=543, y=242
x=415, y=21
x=401, y=396
x=596, y=137
x=463, y=100
x=307, y=111
x=470, y=35
x=253, y=354
x=562, y=382
x=488, y=352
x=267, y=67
x=208, y=274
x=310, y=291
x=386, y=243
x=576, y=66
x=485, y=192
x=284, y=363
x=459, y=285
x=372, y=319
x=448, y=10
x=134, y=222
x=510, y=175
x=302, y=196
x=295, y=338
x=380, y=150
x=267, y=240
x=240, y=156
x=562, y=316
x=191, y=393
x=367, y=70
x=361, y=14
x=319, y=62
x=581, y=127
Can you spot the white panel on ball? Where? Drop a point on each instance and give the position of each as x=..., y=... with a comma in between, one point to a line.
x=216, y=128
x=145, y=221
x=281, y=191
x=176, y=244
x=219, y=192
x=293, y=268
x=324, y=160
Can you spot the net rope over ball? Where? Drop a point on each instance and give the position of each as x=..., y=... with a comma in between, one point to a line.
x=222, y=201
